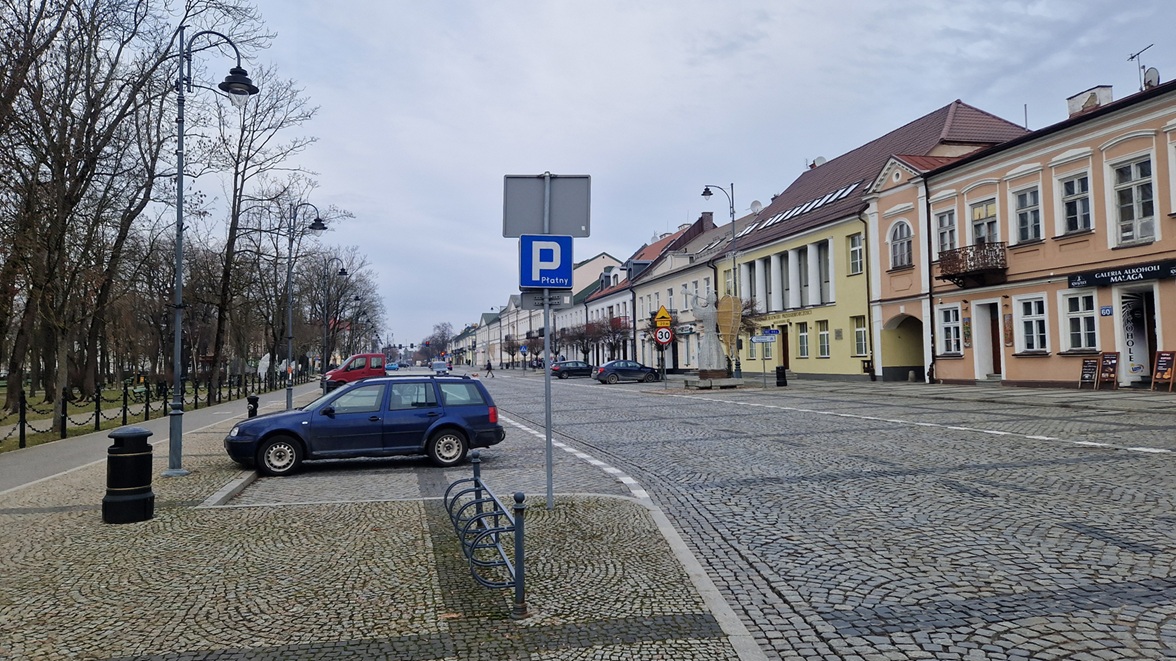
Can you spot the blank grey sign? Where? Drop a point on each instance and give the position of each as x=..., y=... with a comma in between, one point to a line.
x=522, y=205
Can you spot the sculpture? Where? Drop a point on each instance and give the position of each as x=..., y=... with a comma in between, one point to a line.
x=710, y=351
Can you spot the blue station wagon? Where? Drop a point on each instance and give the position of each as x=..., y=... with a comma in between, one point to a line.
x=442, y=417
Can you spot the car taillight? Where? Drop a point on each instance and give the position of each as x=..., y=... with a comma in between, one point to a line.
x=493, y=415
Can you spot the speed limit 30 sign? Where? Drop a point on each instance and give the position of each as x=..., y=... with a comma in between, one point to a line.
x=663, y=336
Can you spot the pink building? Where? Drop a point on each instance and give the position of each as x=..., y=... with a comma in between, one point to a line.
x=1018, y=263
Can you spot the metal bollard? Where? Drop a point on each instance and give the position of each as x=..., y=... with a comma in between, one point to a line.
x=252, y=399
x=128, y=496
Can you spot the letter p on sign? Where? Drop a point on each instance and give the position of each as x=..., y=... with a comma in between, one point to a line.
x=545, y=256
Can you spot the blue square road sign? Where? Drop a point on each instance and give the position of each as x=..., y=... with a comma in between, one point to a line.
x=545, y=261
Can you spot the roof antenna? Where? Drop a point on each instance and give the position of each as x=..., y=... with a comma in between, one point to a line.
x=1134, y=57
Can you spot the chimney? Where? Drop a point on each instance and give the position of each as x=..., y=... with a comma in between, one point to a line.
x=1092, y=98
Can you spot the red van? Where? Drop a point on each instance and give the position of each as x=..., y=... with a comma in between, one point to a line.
x=359, y=366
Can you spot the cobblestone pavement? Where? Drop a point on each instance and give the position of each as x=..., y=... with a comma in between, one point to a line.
x=347, y=560
x=839, y=521
x=862, y=521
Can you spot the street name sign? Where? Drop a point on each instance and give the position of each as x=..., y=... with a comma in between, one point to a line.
x=760, y=339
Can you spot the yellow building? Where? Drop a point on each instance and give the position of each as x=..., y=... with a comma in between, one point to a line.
x=803, y=261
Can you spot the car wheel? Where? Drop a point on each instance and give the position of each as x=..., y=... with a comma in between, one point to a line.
x=563, y=375
x=650, y=378
x=447, y=448
x=279, y=455
x=613, y=378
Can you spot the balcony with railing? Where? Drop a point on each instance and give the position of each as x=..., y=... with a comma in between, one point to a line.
x=975, y=265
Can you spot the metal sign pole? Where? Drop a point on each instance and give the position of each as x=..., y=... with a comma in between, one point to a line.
x=547, y=346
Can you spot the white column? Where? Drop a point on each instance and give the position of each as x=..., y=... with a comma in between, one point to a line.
x=814, y=275
x=794, y=279
x=777, y=279
x=761, y=281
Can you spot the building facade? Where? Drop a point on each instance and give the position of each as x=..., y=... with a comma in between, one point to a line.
x=1031, y=258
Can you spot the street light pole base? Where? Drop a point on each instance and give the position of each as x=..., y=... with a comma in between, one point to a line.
x=176, y=472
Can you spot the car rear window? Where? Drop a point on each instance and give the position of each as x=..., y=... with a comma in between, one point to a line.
x=461, y=394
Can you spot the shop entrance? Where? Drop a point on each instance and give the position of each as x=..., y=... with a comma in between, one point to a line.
x=1137, y=335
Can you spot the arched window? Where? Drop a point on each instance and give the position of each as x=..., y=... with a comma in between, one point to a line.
x=900, y=245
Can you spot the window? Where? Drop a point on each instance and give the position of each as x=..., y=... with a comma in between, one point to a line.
x=824, y=269
x=365, y=399
x=802, y=339
x=823, y=339
x=861, y=345
x=949, y=330
x=768, y=349
x=856, y=253
x=946, y=225
x=706, y=286
x=1133, y=201
x=1076, y=203
x=461, y=394
x=670, y=300
x=1032, y=320
x=900, y=245
x=1081, y=322
x=751, y=350
x=1028, y=205
x=802, y=263
x=729, y=275
x=984, y=222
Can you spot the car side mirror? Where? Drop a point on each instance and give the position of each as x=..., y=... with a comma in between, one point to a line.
x=328, y=411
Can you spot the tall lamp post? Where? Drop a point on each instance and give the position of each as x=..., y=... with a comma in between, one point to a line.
x=316, y=226
x=730, y=193
x=239, y=88
x=326, y=309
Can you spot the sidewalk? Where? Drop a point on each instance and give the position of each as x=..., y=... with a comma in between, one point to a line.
x=348, y=579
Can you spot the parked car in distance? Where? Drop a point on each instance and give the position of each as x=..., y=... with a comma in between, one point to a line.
x=356, y=367
x=624, y=370
x=390, y=367
x=440, y=367
x=443, y=417
x=565, y=368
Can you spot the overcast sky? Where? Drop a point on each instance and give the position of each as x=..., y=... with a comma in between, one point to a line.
x=425, y=105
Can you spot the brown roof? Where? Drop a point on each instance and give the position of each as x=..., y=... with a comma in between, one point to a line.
x=926, y=163
x=833, y=191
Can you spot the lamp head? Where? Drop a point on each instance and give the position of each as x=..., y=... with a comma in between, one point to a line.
x=238, y=86
x=706, y=193
x=318, y=226
x=343, y=272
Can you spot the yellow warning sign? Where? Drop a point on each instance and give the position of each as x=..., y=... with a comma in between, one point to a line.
x=662, y=319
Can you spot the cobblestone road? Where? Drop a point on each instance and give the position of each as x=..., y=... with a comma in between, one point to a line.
x=894, y=527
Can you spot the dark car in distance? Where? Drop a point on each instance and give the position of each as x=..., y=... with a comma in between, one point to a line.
x=441, y=416
x=565, y=368
x=624, y=370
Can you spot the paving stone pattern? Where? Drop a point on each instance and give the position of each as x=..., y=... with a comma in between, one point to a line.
x=850, y=522
x=355, y=561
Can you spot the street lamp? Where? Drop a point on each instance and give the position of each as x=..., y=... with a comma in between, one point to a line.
x=706, y=195
x=317, y=226
x=326, y=311
x=239, y=88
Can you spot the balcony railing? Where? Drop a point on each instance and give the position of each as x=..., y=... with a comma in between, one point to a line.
x=975, y=265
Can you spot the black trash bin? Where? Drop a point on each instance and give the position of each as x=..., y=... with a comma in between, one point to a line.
x=128, y=496
x=781, y=376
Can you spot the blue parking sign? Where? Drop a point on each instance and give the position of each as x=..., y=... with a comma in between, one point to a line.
x=545, y=261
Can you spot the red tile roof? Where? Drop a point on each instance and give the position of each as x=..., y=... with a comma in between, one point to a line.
x=833, y=191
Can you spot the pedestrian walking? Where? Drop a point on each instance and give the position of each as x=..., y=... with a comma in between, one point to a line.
x=489, y=369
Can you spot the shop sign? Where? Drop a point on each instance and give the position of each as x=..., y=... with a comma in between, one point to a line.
x=1153, y=271
x=685, y=329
